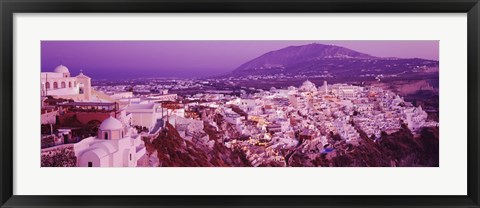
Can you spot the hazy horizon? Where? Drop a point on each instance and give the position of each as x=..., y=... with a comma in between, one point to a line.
x=189, y=59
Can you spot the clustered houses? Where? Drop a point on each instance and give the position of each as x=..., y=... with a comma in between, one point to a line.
x=283, y=118
x=264, y=125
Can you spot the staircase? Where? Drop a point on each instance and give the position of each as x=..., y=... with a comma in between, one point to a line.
x=158, y=125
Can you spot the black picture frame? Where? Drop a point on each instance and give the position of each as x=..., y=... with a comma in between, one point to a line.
x=10, y=7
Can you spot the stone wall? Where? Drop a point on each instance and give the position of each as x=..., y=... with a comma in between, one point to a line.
x=60, y=156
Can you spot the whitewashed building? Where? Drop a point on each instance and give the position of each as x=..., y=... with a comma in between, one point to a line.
x=60, y=83
x=114, y=146
x=144, y=114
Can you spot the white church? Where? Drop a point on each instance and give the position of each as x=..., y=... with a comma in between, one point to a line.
x=60, y=83
x=115, y=146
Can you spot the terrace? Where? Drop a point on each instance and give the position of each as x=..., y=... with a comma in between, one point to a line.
x=90, y=106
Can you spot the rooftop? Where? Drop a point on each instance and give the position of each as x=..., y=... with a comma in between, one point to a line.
x=71, y=104
x=141, y=106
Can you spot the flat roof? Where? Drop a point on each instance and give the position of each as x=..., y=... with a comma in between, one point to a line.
x=141, y=106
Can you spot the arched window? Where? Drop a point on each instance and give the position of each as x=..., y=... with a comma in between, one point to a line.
x=47, y=85
x=122, y=134
x=63, y=85
x=69, y=84
x=55, y=85
x=74, y=83
x=105, y=136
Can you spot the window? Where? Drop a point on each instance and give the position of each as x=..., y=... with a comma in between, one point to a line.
x=55, y=85
x=90, y=164
x=105, y=136
x=63, y=85
x=47, y=85
x=69, y=84
x=130, y=156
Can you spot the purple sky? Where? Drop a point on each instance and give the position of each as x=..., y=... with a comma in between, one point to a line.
x=131, y=59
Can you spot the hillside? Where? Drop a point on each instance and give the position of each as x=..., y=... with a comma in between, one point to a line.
x=174, y=151
x=331, y=61
x=400, y=149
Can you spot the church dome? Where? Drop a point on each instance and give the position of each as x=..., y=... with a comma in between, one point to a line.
x=111, y=124
x=308, y=84
x=61, y=69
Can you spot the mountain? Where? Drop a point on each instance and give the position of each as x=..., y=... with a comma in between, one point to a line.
x=328, y=60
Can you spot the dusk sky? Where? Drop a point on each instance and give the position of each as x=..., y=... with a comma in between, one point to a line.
x=132, y=59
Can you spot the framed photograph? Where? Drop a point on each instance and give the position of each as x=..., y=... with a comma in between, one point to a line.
x=266, y=103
